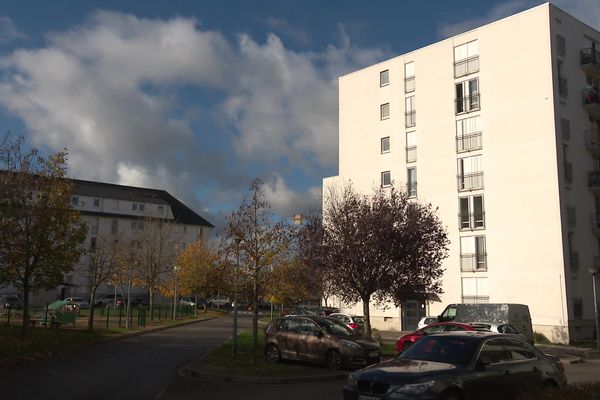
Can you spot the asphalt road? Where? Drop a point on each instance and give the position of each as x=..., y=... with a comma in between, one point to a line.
x=139, y=367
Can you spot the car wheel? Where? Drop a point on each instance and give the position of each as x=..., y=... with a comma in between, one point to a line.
x=451, y=395
x=333, y=359
x=272, y=354
x=405, y=346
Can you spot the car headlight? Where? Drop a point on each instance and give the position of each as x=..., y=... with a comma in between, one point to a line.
x=350, y=344
x=351, y=380
x=414, y=388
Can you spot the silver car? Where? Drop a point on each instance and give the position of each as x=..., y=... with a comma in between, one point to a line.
x=498, y=328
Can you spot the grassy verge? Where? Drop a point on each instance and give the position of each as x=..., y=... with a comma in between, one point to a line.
x=42, y=342
x=221, y=361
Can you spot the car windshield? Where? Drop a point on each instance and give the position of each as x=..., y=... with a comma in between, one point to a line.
x=359, y=320
x=333, y=327
x=446, y=349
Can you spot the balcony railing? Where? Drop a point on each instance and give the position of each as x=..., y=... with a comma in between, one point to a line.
x=467, y=66
x=410, y=118
x=594, y=180
x=473, y=262
x=409, y=84
x=411, y=189
x=471, y=221
x=595, y=222
x=591, y=101
x=471, y=141
x=592, y=140
x=470, y=181
x=468, y=103
x=563, y=88
x=590, y=61
x=411, y=153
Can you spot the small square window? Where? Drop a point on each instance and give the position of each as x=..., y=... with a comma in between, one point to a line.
x=385, y=144
x=134, y=206
x=386, y=179
x=96, y=203
x=384, y=78
x=75, y=200
x=160, y=209
x=384, y=111
x=141, y=208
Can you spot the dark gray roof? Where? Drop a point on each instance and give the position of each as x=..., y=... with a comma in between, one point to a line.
x=182, y=214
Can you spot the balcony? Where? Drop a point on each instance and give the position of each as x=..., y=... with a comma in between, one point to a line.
x=473, y=262
x=411, y=153
x=590, y=61
x=594, y=181
x=595, y=222
x=409, y=84
x=471, y=141
x=471, y=221
x=471, y=181
x=468, y=103
x=591, y=101
x=410, y=118
x=467, y=66
x=592, y=141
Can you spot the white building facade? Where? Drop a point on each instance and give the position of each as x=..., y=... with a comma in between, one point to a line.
x=499, y=128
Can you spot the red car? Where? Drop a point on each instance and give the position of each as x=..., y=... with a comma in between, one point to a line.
x=438, y=327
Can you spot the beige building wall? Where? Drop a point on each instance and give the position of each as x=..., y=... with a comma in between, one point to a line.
x=525, y=190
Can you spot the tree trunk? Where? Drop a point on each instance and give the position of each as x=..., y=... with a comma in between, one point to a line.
x=367, y=314
x=254, y=319
x=151, y=301
x=90, y=324
x=24, y=326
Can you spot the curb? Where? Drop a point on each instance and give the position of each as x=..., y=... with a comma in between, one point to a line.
x=192, y=373
x=150, y=330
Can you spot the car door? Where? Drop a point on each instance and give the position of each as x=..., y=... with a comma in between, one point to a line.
x=287, y=338
x=523, y=365
x=310, y=341
x=490, y=379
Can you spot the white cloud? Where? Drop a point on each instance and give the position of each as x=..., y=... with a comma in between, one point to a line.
x=112, y=91
x=287, y=202
x=8, y=31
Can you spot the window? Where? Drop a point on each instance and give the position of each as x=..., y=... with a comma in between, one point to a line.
x=470, y=173
x=411, y=181
x=386, y=179
x=411, y=146
x=115, y=204
x=160, y=209
x=96, y=203
x=384, y=111
x=468, y=134
x=134, y=206
x=75, y=201
x=473, y=255
x=409, y=112
x=578, y=308
x=384, y=78
x=573, y=254
x=93, y=244
x=385, y=144
x=563, y=89
x=471, y=214
x=114, y=228
x=142, y=207
x=561, y=45
x=475, y=290
x=409, y=77
x=565, y=128
x=466, y=59
x=467, y=96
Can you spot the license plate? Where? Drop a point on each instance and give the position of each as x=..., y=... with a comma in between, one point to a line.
x=363, y=397
x=374, y=354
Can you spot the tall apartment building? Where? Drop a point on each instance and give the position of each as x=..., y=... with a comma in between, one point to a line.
x=499, y=127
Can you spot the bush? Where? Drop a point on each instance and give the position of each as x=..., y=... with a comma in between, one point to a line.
x=540, y=338
x=581, y=391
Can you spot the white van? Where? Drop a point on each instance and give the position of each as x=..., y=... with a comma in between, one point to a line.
x=515, y=314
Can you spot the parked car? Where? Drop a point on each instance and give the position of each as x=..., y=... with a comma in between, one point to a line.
x=81, y=303
x=318, y=339
x=218, y=301
x=423, y=322
x=458, y=365
x=502, y=313
x=11, y=301
x=109, y=300
x=326, y=311
x=187, y=302
x=404, y=342
x=498, y=328
x=355, y=323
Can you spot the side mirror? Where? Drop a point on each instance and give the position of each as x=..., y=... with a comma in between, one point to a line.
x=481, y=363
x=319, y=334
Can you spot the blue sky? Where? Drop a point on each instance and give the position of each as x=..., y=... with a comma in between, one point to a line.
x=200, y=97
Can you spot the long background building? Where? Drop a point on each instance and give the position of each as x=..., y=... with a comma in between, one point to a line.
x=499, y=127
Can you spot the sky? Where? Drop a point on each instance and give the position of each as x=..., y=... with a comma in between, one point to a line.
x=200, y=97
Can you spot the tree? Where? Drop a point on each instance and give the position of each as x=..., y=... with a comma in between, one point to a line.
x=383, y=246
x=201, y=270
x=158, y=251
x=102, y=264
x=40, y=232
x=291, y=281
x=259, y=241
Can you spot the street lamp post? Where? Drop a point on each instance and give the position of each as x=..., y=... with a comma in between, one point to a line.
x=175, y=269
x=595, y=271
